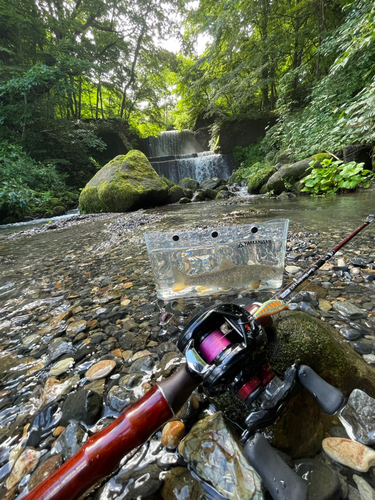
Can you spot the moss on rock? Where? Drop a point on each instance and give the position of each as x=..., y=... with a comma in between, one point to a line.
x=125, y=183
x=175, y=193
x=297, y=337
x=189, y=183
x=318, y=158
x=256, y=181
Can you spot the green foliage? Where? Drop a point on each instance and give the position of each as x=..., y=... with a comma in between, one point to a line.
x=247, y=156
x=17, y=166
x=335, y=175
x=14, y=198
x=25, y=183
x=340, y=108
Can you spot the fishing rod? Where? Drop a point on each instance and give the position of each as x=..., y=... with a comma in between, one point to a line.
x=234, y=361
x=288, y=289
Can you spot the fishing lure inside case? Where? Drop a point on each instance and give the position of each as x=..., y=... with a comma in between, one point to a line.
x=218, y=260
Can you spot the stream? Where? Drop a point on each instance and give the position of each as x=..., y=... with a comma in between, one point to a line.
x=78, y=291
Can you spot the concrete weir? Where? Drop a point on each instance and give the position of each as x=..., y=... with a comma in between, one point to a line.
x=177, y=155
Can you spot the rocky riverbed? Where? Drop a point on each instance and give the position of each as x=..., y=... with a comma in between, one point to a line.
x=83, y=335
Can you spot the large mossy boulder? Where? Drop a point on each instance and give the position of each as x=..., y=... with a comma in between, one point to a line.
x=297, y=337
x=288, y=175
x=128, y=182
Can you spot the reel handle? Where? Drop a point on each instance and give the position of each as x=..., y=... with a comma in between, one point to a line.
x=281, y=481
x=329, y=398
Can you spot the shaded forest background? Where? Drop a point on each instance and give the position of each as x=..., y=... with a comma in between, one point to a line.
x=69, y=67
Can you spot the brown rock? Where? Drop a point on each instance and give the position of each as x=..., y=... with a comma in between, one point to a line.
x=25, y=464
x=64, y=316
x=141, y=354
x=76, y=327
x=172, y=434
x=350, y=453
x=44, y=470
x=180, y=484
x=59, y=430
x=100, y=369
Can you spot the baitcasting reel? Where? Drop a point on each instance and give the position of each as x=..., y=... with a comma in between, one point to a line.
x=226, y=347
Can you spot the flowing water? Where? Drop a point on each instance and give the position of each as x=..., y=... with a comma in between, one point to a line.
x=316, y=215
x=98, y=261
x=178, y=155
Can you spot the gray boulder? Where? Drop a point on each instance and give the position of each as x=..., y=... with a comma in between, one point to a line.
x=212, y=183
x=189, y=183
x=289, y=175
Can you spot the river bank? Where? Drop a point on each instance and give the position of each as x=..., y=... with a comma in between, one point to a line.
x=82, y=293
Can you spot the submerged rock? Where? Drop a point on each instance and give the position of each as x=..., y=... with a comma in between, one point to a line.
x=172, y=434
x=43, y=424
x=215, y=456
x=44, y=470
x=298, y=337
x=25, y=464
x=101, y=369
x=84, y=406
x=324, y=483
x=359, y=413
x=179, y=484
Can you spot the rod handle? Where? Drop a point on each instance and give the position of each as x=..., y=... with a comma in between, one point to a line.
x=329, y=398
x=103, y=451
x=281, y=481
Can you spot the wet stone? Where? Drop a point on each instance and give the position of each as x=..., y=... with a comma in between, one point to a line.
x=58, y=347
x=44, y=470
x=189, y=410
x=31, y=340
x=83, y=406
x=76, y=327
x=349, y=333
x=323, y=482
x=179, y=484
x=172, y=434
x=61, y=367
x=53, y=388
x=369, y=358
x=350, y=453
x=125, y=340
x=349, y=310
x=169, y=363
x=363, y=347
x=359, y=413
x=339, y=432
x=365, y=490
x=214, y=455
x=43, y=424
x=70, y=441
x=140, y=483
x=24, y=465
x=100, y=369
x=118, y=398
x=83, y=351
x=145, y=364
x=97, y=339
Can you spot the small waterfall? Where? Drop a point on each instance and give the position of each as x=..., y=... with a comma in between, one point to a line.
x=173, y=143
x=177, y=155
